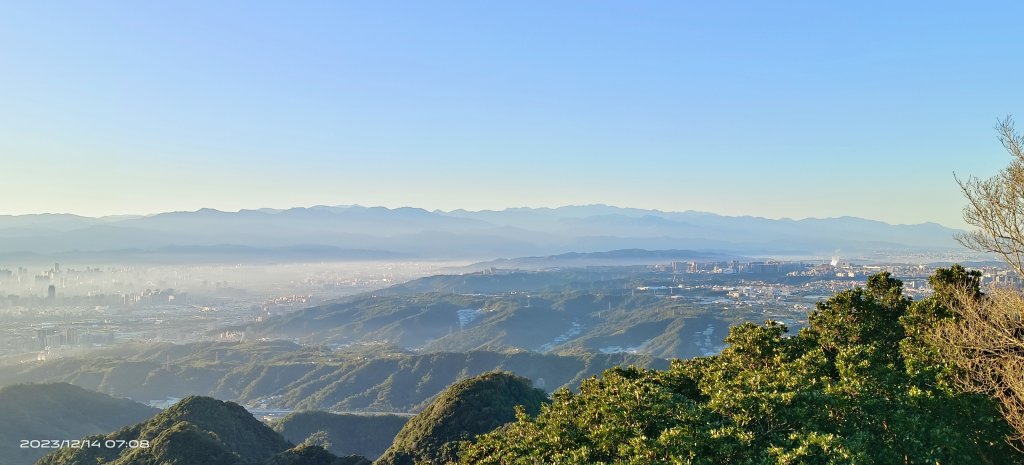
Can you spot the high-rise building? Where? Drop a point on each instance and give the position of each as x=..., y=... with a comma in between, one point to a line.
x=41, y=335
x=51, y=293
x=52, y=341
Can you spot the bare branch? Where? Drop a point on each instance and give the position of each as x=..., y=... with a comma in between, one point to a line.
x=995, y=206
x=986, y=341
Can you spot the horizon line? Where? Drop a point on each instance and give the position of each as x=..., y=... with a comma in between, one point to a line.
x=484, y=210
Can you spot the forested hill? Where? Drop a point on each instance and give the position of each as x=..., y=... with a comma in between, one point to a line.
x=468, y=408
x=860, y=384
x=304, y=378
x=62, y=411
x=196, y=431
x=564, y=311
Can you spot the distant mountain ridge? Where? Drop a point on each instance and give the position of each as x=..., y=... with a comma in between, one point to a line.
x=378, y=233
x=348, y=434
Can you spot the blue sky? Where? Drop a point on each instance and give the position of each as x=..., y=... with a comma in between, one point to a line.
x=776, y=109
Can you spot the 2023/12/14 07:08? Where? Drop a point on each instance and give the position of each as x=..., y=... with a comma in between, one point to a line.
x=82, y=444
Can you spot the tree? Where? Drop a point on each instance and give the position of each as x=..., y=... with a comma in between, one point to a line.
x=985, y=340
x=996, y=205
x=985, y=337
x=319, y=438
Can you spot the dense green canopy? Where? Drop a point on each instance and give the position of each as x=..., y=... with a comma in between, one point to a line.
x=859, y=385
x=470, y=407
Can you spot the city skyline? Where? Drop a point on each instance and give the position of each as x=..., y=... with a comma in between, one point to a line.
x=798, y=111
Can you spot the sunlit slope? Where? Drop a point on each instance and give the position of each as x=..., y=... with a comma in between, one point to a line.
x=376, y=380
x=466, y=409
x=572, y=311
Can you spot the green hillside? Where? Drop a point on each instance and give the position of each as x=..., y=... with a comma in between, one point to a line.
x=304, y=378
x=860, y=384
x=470, y=407
x=857, y=386
x=554, y=321
x=196, y=431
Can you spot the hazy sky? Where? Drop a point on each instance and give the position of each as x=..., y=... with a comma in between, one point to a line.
x=773, y=109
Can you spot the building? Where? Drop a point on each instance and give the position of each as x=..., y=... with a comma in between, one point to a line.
x=41, y=337
x=70, y=337
x=53, y=341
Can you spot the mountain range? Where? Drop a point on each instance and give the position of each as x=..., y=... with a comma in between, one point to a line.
x=301, y=377
x=377, y=233
x=205, y=431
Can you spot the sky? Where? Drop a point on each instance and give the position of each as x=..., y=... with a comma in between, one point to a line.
x=774, y=109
